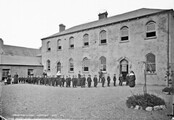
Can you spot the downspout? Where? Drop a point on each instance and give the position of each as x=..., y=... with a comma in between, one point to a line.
x=168, y=49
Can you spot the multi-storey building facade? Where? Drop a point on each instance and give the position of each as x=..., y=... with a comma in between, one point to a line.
x=140, y=40
x=20, y=60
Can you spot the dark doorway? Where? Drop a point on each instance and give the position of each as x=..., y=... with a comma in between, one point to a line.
x=124, y=68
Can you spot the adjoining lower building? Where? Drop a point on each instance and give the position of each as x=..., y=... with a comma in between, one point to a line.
x=20, y=60
x=140, y=40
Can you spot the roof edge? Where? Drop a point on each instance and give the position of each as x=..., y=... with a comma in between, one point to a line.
x=166, y=10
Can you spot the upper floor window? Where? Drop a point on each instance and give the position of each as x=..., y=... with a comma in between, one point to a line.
x=71, y=42
x=124, y=33
x=150, y=63
x=48, y=65
x=85, y=64
x=103, y=39
x=59, y=47
x=71, y=65
x=86, y=40
x=103, y=63
x=58, y=66
x=150, y=29
x=48, y=46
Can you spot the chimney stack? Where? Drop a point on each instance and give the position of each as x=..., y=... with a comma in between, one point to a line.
x=103, y=15
x=61, y=27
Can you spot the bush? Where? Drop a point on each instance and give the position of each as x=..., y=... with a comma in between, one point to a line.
x=145, y=100
x=168, y=89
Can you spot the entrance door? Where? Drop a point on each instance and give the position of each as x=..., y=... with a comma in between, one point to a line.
x=124, y=68
x=5, y=73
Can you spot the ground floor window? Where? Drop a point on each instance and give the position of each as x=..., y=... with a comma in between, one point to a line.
x=5, y=73
x=30, y=72
x=85, y=64
x=150, y=63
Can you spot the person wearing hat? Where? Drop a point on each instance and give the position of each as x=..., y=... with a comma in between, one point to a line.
x=132, y=79
x=103, y=81
x=114, y=79
x=95, y=81
x=89, y=80
x=108, y=79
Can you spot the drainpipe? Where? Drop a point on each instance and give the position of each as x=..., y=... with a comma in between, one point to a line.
x=168, y=52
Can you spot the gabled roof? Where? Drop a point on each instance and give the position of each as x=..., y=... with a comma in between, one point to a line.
x=110, y=20
x=20, y=51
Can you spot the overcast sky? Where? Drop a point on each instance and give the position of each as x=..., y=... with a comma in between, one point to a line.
x=25, y=22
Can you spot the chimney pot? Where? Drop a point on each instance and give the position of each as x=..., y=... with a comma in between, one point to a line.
x=61, y=27
x=103, y=15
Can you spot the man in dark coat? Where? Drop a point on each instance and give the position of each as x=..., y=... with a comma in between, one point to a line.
x=108, y=79
x=114, y=79
x=16, y=78
x=95, y=81
x=83, y=81
x=89, y=80
x=120, y=79
x=66, y=81
x=132, y=79
x=76, y=80
x=79, y=79
x=69, y=81
x=73, y=81
x=63, y=80
x=127, y=79
x=103, y=81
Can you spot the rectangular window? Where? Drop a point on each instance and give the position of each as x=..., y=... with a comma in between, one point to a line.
x=85, y=69
x=59, y=47
x=151, y=34
x=71, y=69
x=30, y=72
x=49, y=49
x=124, y=38
x=72, y=46
x=103, y=41
x=86, y=44
x=5, y=73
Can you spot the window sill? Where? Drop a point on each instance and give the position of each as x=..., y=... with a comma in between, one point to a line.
x=71, y=48
x=125, y=41
x=101, y=44
x=70, y=71
x=147, y=38
x=85, y=46
x=151, y=73
x=59, y=50
x=48, y=50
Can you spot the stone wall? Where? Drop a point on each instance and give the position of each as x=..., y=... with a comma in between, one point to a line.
x=133, y=50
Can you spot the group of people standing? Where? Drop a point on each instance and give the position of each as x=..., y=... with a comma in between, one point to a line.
x=80, y=80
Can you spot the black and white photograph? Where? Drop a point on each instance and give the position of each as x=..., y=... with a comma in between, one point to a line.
x=86, y=59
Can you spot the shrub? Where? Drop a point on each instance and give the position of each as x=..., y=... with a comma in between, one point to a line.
x=145, y=100
x=168, y=89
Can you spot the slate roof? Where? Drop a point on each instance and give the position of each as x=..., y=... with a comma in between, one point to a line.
x=110, y=20
x=20, y=51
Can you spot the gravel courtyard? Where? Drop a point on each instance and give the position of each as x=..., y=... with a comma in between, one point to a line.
x=79, y=103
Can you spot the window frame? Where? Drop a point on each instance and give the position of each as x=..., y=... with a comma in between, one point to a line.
x=59, y=47
x=48, y=65
x=154, y=31
x=103, y=39
x=103, y=67
x=85, y=41
x=71, y=42
x=149, y=64
x=85, y=66
x=59, y=66
x=124, y=28
x=71, y=65
x=48, y=46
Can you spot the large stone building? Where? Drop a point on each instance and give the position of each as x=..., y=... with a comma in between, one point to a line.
x=20, y=60
x=116, y=44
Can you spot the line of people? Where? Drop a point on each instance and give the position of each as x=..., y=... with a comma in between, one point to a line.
x=75, y=81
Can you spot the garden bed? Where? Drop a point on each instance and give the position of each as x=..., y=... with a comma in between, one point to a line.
x=146, y=102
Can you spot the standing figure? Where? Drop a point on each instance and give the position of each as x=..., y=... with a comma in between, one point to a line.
x=69, y=81
x=66, y=81
x=132, y=79
x=73, y=81
x=108, y=79
x=16, y=78
x=76, y=80
x=103, y=81
x=89, y=80
x=100, y=74
x=127, y=79
x=95, y=81
x=63, y=80
x=120, y=79
x=83, y=81
x=79, y=79
x=114, y=79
